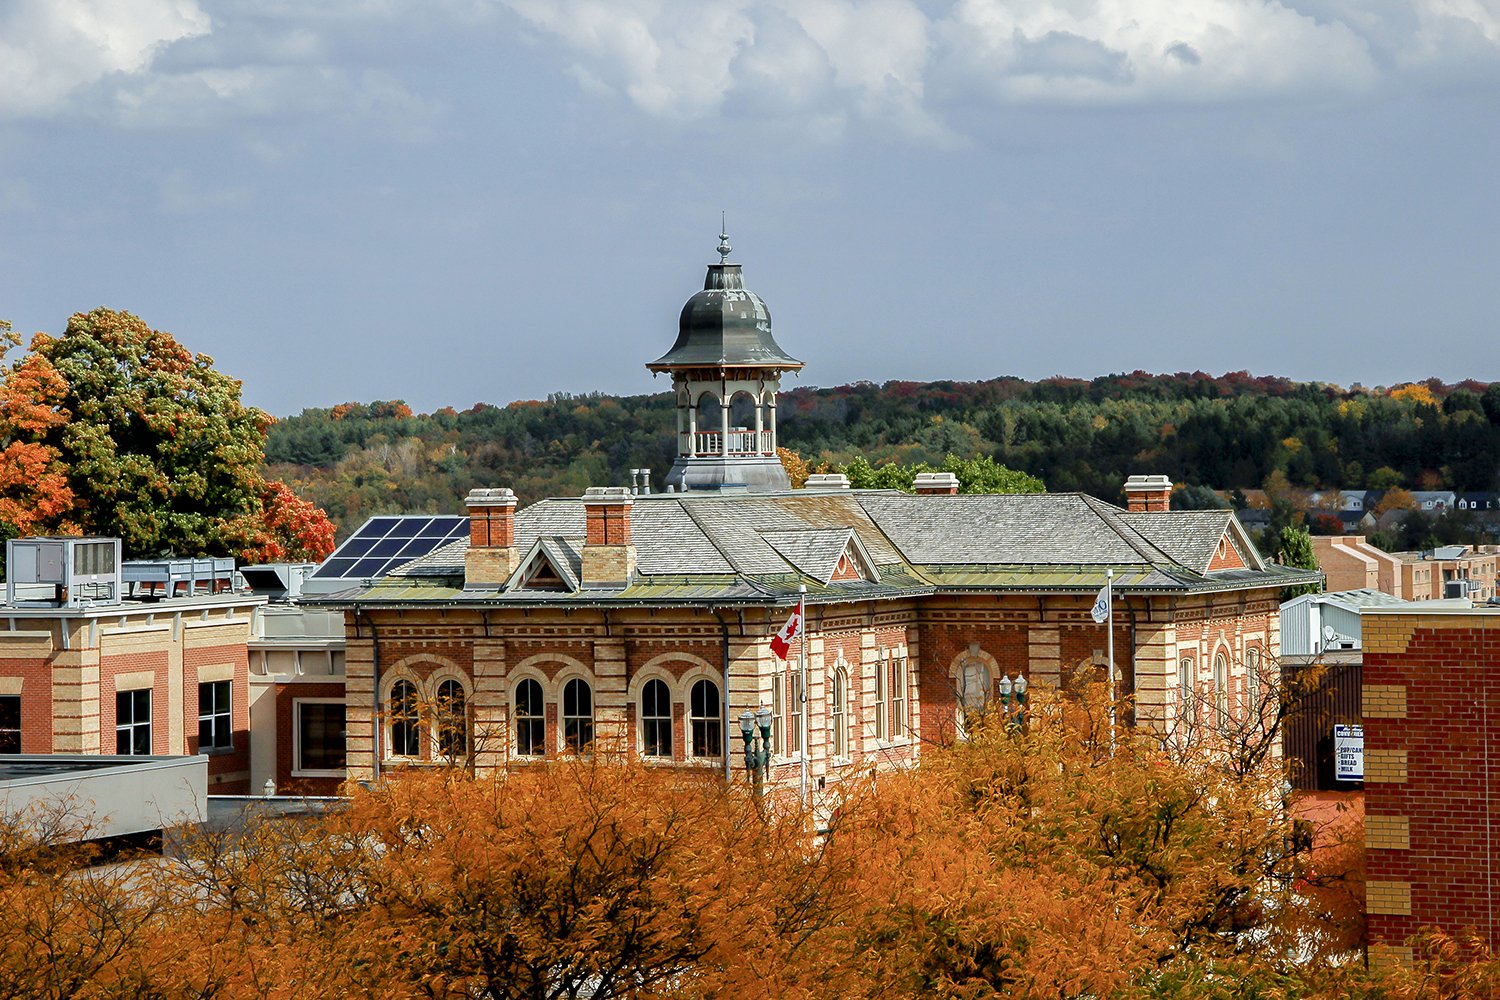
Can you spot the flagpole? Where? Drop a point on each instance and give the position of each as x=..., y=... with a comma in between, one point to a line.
x=802, y=693
x=1109, y=596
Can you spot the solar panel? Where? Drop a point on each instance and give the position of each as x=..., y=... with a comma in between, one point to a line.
x=385, y=543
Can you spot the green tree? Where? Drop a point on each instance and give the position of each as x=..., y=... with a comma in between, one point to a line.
x=1295, y=549
x=158, y=448
x=1194, y=497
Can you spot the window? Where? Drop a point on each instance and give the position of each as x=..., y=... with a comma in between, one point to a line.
x=133, y=722
x=10, y=723
x=1252, y=679
x=531, y=720
x=778, y=717
x=882, y=706
x=840, y=713
x=1185, y=680
x=215, y=722
x=578, y=715
x=707, y=719
x=1221, y=687
x=898, y=697
x=406, y=722
x=320, y=737
x=793, y=701
x=656, y=719
x=451, y=718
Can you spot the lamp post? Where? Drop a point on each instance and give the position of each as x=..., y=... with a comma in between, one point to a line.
x=1013, y=689
x=757, y=745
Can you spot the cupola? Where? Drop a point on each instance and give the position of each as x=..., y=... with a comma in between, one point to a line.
x=726, y=371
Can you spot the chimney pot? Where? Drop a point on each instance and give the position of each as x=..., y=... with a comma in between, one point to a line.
x=936, y=484
x=1148, y=494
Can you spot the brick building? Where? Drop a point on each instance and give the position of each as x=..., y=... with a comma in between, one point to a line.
x=115, y=674
x=1431, y=738
x=641, y=622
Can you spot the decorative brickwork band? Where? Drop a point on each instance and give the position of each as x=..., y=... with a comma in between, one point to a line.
x=1387, y=833
x=1384, y=701
x=1385, y=766
x=1388, y=898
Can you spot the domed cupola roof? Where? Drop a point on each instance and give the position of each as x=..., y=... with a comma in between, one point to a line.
x=725, y=326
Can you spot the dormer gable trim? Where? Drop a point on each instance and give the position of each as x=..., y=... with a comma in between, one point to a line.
x=544, y=567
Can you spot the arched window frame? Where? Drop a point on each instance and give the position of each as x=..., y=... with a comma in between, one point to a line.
x=1221, y=685
x=403, y=722
x=656, y=729
x=972, y=692
x=576, y=730
x=452, y=728
x=529, y=728
x=705, y=721
x=839, y=709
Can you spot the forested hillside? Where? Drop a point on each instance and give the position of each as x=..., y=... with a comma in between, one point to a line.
x=1226, y=432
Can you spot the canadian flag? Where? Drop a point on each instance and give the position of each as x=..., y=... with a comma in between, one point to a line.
x=781, y=642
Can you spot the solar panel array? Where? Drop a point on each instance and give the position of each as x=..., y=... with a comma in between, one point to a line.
x=384, y=543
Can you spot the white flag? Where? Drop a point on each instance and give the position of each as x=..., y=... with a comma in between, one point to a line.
x=1100, y=610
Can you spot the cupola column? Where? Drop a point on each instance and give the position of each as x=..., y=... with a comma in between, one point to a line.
x=724, y=427
x=760, y=430
x=692, y=442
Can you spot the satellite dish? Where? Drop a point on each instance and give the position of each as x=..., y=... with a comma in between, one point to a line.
x=1329, y=633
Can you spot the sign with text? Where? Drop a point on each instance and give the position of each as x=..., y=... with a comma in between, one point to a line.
x=1349, y=753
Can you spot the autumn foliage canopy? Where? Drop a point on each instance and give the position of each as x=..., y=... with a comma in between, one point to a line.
x=116, y=429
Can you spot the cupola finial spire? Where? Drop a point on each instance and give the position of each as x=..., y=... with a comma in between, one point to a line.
x=724, y=248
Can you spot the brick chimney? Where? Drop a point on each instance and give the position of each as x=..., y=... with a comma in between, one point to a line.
x=936, y=484
x=1148, y=493
x=608, y=555
x=492, y=555
x=826, y=481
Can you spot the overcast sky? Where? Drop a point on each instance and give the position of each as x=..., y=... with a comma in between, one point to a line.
x=451, y=201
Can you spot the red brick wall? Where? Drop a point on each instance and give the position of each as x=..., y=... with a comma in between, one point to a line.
x=1451, y=736
x=36, y=701
x=228, y=773
x=110, y=668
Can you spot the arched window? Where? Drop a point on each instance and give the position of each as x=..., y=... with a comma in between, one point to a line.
x=531, y=719
x=840, y=713
x=656, y=719
x=1185, y=681
x=792, y=701
x=451, y=719
x=898, y=696
x=707, y=719
x=578, y=715
x=882, y=705
x=406, y=723
x=1221, y=687
x=1252, y=680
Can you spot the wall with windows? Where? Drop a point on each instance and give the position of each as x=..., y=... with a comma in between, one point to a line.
x=138, y=677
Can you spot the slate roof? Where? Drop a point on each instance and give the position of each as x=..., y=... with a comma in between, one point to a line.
x=757, y=549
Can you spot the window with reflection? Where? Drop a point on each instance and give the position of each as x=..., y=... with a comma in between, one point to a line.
x=706, y=717
x=578, y=715
x=406, y=721
x=656, y=719
x=451, y=715
x=530, y=719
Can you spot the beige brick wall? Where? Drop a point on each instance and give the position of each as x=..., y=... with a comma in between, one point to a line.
x=1392, y=898
x=1385, y=765
x=1384, y=701
x=1388, y=833
x=1388, y=956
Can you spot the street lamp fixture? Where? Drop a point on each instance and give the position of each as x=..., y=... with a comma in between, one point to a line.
x=755, y=730
x=1013, y=698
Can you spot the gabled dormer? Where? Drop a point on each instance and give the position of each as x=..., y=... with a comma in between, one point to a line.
x=828, y=555
x=551, y=564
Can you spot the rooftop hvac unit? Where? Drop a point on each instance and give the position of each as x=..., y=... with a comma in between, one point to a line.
x=62, y=572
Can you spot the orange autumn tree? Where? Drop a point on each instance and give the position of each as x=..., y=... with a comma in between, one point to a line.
x=114, y=428
x=34, y=492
